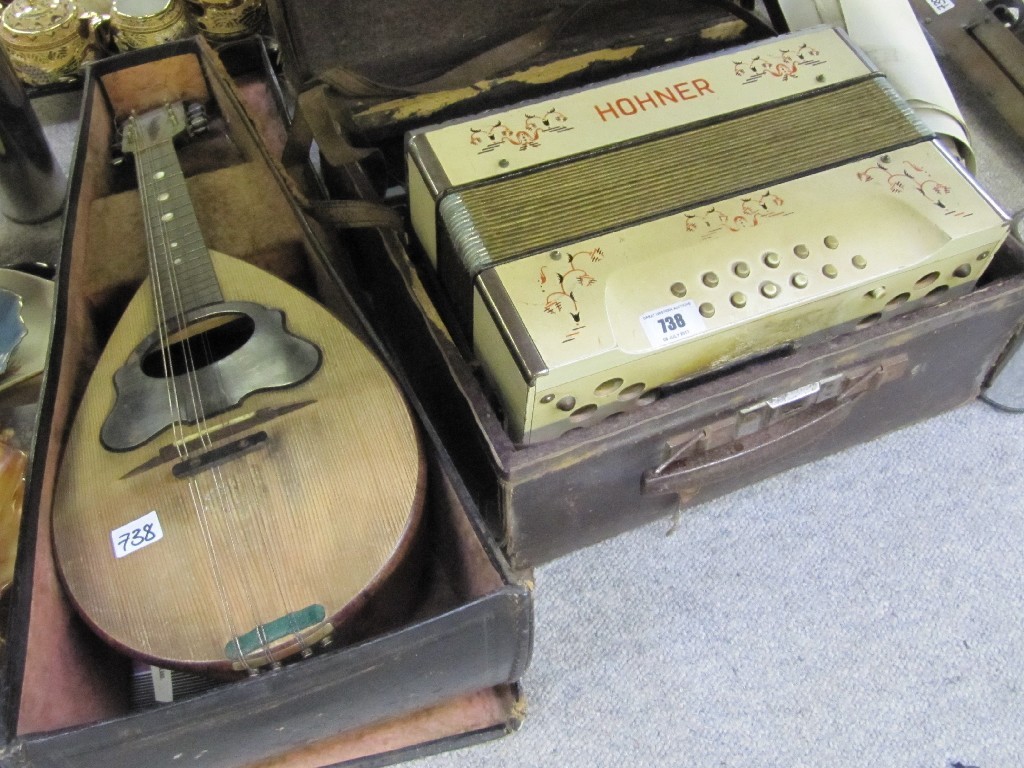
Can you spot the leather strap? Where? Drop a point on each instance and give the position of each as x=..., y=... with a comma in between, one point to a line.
x=350, y=214
x=321, y=114
x=319, y=117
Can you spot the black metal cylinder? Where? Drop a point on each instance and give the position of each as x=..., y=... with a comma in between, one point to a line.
x=32, y=184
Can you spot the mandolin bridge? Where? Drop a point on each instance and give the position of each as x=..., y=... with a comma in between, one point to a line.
x=216, y=456
x=174, y=451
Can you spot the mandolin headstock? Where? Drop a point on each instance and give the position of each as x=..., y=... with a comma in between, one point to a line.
x=162, y=124
x=152, y=128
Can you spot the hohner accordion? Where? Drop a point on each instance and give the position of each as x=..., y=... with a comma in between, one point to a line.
x=603, y=243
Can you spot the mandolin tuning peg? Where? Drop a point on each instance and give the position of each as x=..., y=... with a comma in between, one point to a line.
x=117, y=147
x=197, y=125
x=198, y=122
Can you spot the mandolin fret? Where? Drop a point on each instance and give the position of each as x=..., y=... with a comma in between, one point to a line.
x=179, y=260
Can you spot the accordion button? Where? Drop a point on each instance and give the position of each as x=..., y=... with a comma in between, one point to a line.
x=707, y=309
x=859, y=262
x=800, y=280
x=710, y=279
x=832, y=242
x=802, y=251
x=830, y=271
x=771, y=259
x=678, y=290
x=738, y=300
x=769, y=290
x=741, y=269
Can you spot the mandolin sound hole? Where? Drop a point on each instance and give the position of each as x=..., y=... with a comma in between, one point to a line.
x=199, y=345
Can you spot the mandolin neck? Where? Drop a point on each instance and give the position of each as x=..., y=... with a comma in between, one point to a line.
x=179, y=262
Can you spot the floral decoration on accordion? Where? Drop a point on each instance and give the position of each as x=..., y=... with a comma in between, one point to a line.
x=736, y=215
x=562, y=289
x=783, y=65
x=904, y=176
x=529, y=135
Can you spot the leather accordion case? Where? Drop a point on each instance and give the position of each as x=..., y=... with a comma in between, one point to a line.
x=178, y=262
x=620, y=290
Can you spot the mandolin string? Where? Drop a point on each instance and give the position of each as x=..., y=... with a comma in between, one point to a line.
x=266, y=536
x=219, y=496
x=242, y=502
x=251, y=481
x=199, y=501
x=223, y=489
x=144, y=173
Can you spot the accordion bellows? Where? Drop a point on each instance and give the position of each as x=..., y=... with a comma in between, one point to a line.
x=603, y=243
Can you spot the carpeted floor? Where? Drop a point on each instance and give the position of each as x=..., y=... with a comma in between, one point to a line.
x=864, y=610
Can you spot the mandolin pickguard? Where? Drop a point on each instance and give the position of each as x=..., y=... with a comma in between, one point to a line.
x=270, y=358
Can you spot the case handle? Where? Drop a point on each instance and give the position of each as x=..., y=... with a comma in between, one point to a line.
x=766, y=430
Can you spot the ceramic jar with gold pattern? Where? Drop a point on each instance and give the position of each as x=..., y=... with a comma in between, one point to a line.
x=144, y=23
x=46, y=40
x=227, y=19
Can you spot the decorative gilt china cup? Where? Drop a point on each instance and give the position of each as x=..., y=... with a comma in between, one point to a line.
x=227, y=19
x=46, y=40
x=144, y=23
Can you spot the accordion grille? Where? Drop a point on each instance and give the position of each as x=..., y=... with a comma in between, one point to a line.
x=606, y=191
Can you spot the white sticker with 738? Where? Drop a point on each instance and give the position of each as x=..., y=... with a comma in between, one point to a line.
x=672, y=323
x=137, y=534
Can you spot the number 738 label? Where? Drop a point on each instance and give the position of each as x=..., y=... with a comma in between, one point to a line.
x=137, y=534
x=673, y=323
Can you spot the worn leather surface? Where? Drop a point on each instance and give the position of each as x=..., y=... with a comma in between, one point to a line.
x=398, y=43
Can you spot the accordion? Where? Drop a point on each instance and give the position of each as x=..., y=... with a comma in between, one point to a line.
x=602, y=244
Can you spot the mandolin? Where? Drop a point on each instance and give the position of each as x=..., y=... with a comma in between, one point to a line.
x=242, y=474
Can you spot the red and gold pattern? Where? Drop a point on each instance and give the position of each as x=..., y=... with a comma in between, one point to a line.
x=736, y=215
x=562, y=297
x=784, y=65
x=905, y=176
x=523, y=138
